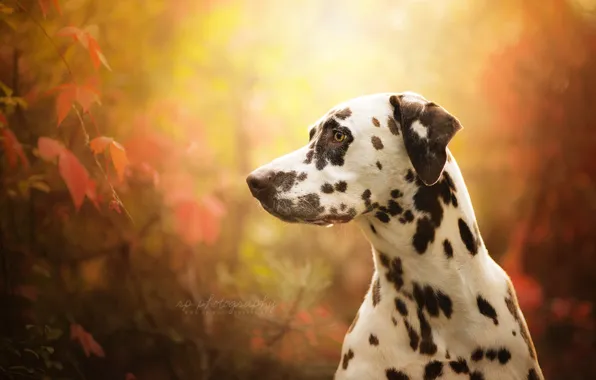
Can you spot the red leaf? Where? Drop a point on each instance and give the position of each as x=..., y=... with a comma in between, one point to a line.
x=3, y=120
x=99, y=144
x=64, y=103
x=13, y=148
x=44, y=5
x=75, y=176
x=49, y=149
x=86, y=340
x=85, y=96
x=119, y=159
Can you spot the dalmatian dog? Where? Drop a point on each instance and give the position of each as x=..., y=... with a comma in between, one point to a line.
x=438, y=306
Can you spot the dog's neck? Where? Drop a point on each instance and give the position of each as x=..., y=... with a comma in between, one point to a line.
x=437, y=249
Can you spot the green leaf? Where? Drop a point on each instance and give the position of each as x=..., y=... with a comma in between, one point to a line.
x=52, y=333
x=7, y=90
x=48, y=349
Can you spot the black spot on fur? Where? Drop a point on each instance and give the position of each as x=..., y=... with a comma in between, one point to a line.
x=379, y=165
x=394, y=321
x=425, y=234
x=342, y=206
x=447, y=355
x=407, y=217
x=396, y=193
x=467, y=237
x=433, y=370
x=410, y=176
x=392, y=126
x=373, y=229
x=504, y=355
x=432, y=305
x=341, y=186
x=327, y=188
x=413, y=335
x=476, y=376
x=309, y=156
x=284, y=181
x=373, y=340
x=491, y=354
x=375, y=122
x=376, y=292
x=401, y=307
x=354, y=321
x=309, y=206
x=459, y=366
x=477, y=355
x=448, y=249
x=513, y=333
x=395, y=271
x=343, y=114
x=393, y=374
x=532, y=375
x=347, y=357
x=377, y=143
x=453, y=200
x=383, y=217
x=487, y=309
x=366, y=194
x=333, y=211
x=427, y=345
x=445, y=304
x=394, y=208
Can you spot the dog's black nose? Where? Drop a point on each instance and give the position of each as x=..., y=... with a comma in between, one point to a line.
x=260, y=183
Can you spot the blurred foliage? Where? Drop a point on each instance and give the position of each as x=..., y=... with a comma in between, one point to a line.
x=129, y=245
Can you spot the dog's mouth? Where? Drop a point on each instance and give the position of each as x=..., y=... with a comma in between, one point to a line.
x=287, y=212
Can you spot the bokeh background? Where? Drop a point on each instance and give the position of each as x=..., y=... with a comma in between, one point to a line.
x=130, y=247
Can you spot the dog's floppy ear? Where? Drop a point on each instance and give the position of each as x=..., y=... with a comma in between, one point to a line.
x=426, y=129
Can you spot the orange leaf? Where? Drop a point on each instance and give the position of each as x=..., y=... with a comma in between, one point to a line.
x=75, y=176
x=13, y=148
x=86, y=340
x=64, y=103
x=85, y=96
x=119, y=158
x=96, y=55
x=49, y=148
x=99, y=144
x=44, y=5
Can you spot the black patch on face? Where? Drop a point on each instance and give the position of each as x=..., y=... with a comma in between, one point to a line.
x=309, y=206
x=376, y=122
x=487, y=309
x=395, y=270
x=410, y=176
x=302, y=176
x=379, y=165
x=511, y=302
x=433, y=370
x=413, y=335
x=466, y=236
x=353, y=324
x=491, y=354
x=347, y=357
x=427, y=345
x=396, y=193
x=343, y=114
x=327, y=188
x=393, y=374
x=477, y=355
x=341, y=186
x=376, y=292
x=476, y=376
x=532, y=375
x=284, y=181
x=448, y=249
x=425, y=234
x=376, y=142
x=373, y=229
x=394, y=208
x=401, y=307
x=333, y=211
x=382, y=217
x=459, y=366
x=392, y=126
x=504, y=355
x=326, y=150
x=373, y=340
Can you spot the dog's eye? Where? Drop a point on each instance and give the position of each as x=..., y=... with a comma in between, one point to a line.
x=339, y=136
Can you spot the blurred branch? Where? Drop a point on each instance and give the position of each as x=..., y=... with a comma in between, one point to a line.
x=291, y=314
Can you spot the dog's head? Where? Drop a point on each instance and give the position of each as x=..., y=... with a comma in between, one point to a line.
x=357, y=154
